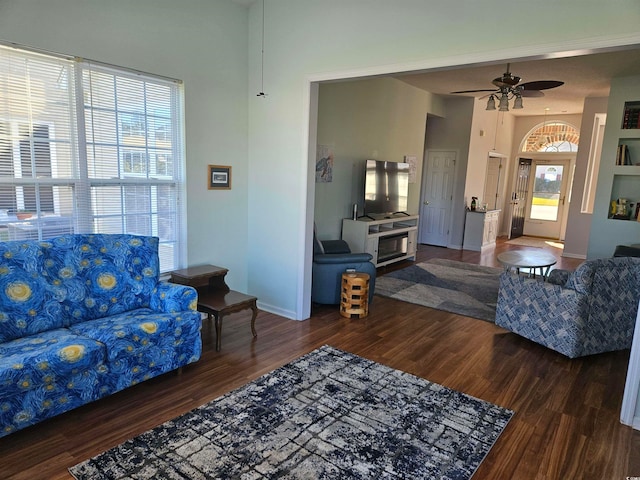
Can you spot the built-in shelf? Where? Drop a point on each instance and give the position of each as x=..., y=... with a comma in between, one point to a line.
x=625, y=185
x=631, y=115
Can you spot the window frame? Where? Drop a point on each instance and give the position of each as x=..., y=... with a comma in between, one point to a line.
x=78, y=177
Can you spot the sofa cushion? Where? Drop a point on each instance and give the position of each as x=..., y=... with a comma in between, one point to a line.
x=133, y=333
x=95, y=276
x=47, y=374
x=27, y=304
x=40, y=360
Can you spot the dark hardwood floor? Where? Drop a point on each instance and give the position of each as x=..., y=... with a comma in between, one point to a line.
x=566, y=424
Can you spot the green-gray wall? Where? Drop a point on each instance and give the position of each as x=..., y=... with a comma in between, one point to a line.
x=607, y=233
x=261, y=228
x=202, y=42
x=382, y=119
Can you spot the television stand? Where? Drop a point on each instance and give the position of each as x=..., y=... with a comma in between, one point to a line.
x=388, y=240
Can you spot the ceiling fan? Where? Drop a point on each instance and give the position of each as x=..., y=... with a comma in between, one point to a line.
x=509, y=86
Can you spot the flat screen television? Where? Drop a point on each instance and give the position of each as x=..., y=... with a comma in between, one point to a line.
x=386, y=187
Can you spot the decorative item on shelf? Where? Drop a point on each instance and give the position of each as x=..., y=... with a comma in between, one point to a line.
x=623, y=157
x=473, y=203
x=622, y=206
x=631, y=115
x=622, y=211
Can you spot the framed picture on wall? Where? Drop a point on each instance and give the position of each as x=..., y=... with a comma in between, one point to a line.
x=219, y=177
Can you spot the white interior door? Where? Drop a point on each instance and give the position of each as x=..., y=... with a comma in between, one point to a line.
x=545, y=209
x=492, y=183
x=437, y=192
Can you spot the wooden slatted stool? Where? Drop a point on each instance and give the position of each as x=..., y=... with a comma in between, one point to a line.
x=354, y=297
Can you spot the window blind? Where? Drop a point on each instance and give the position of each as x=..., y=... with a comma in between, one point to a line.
x=89, y=148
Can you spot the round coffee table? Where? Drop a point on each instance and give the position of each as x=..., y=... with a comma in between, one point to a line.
x=528, y=258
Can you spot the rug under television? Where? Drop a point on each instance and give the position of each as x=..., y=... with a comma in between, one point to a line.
x=329, y=414
x=456, y=287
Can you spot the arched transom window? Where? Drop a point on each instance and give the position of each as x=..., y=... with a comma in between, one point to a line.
x=552, y=137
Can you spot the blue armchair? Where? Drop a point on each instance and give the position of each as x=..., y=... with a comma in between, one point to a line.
x=331, y=258
x=589, y=311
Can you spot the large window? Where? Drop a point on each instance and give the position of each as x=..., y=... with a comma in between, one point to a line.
x=88, y=148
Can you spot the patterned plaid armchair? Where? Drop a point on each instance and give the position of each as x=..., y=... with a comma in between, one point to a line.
x=589, y=311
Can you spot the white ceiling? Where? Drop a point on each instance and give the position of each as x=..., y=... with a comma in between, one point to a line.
x=584, y=76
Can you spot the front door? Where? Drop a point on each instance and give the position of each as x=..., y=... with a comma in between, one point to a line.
x=437, y=192
x=545, y=208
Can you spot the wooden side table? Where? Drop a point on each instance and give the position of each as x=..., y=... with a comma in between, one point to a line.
x=354, y=296
x=214, y=296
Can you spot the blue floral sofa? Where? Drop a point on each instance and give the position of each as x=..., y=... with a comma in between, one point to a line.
x=588, y=311
x=82, y=317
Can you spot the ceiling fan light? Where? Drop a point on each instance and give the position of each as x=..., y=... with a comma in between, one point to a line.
x=491, y=103
x=504, y=103
x=517, y=103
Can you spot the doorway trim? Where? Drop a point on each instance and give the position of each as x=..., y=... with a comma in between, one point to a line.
x=632, y=384
x=309, y=114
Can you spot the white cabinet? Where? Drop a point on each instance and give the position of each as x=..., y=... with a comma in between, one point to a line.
x=480, y=230
x=388, y=240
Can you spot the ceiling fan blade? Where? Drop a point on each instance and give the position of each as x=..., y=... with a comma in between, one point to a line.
x=474, y=91
x=531, y=93
x=541, y=85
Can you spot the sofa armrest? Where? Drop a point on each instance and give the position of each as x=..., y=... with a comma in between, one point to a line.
x=342, y=258
x=335, y=246
x=172, y=298
x=558, y=277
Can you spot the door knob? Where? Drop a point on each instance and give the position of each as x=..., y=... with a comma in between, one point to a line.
x=426, y=202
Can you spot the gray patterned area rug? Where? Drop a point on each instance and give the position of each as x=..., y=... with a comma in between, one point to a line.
x=456, y=287
x=327, y=415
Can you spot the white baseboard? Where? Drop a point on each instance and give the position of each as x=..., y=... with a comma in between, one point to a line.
x=278, y=311
x=455, y=247
x=636, y=423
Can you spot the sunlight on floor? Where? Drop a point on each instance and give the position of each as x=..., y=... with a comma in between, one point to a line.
x=536, y=242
